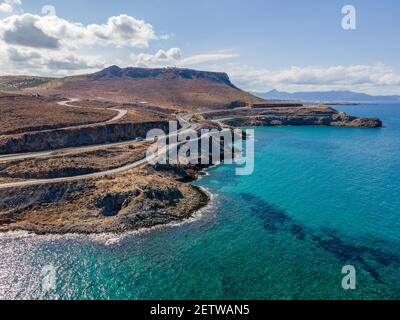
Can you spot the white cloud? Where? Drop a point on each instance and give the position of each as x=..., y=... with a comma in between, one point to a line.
x=371, y=78
x=160, y=59
x=23, y=60
x=8, y=6
x=51, y=32
x=202, y=58
x=31, y=43
x=50, y=45
x=173, y=57
x=123, y=31
x=18, y=56
x=72, y=62
x=25, y=31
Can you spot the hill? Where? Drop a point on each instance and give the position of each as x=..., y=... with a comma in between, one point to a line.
x=169, y=87
x=331, y=96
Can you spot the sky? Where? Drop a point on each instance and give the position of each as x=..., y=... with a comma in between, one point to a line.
x=288, y=45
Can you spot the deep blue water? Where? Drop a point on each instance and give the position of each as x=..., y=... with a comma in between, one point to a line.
x=320, y=198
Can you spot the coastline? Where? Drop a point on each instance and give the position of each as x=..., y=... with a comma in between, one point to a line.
x=197, y=202
x=113, y=238
x=143, y=198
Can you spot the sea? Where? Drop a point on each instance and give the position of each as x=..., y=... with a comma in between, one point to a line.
x=321, y=199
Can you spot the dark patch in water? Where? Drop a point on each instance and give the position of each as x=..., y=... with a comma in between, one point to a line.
x=345, y=252
x=359, y=254
x=298, y=232
x=274, y=220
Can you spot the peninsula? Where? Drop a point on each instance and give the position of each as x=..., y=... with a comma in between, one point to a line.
x=72, y=150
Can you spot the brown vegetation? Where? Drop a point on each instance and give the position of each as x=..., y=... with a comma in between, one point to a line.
x=24, y=113
x=142, y=197
x=173, y=88
x=73, y=163
x=138, y=199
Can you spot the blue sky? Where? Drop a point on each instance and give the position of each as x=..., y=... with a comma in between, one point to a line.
x=263, y=44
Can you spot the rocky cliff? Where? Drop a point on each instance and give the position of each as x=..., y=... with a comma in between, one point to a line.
x=112, y=204
x=74, y=137
x=295, y=116
x=164, y=73
x=338, y=120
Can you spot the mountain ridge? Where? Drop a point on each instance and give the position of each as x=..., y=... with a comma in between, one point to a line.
x=167, y=73
x=176, y=88
x=331, y=96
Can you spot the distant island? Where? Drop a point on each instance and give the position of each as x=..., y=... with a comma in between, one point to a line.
x=326, y=96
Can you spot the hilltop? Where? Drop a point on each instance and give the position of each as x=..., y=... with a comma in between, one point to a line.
x=115, y=72
x=184, y=89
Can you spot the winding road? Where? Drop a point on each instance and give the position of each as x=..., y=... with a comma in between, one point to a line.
x=76, y=178
x=120, y=112
x=183, y=119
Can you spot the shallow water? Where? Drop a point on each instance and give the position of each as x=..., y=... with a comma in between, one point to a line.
x=320, y=198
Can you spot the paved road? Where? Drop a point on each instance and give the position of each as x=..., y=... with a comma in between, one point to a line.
x=125, y=168
x=75, y=178
x=120, y=112
x=69, y=103
x=184, y=120
x=57, y=152
x=232, y=118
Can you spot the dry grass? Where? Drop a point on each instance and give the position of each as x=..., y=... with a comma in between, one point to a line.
x=72, y=163
x=136, y=199
x=136, y=113
x=183, y=94
x=22, y=113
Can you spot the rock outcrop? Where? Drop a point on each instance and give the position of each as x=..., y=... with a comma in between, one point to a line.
x=74, y=137
x=293, y=116
x=135, y=200
x=337, y=120
x=165, y=73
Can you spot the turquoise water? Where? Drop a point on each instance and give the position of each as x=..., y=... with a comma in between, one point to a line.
x=320, y=198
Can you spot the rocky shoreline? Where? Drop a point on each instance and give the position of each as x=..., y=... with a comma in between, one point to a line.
x=292, y=116
x=140, y=198
x=339, y=120
x=120, y=204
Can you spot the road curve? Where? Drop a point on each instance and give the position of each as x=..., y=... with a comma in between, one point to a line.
x=183, y=119
x=68, y=103
x=75, y=178
x=102, y=173
x=120, y=112
x=56, y=152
